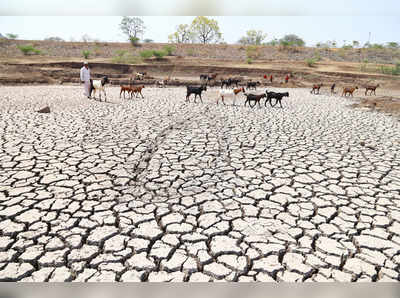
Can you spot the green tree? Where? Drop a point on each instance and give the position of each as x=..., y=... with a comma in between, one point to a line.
x=12, y=36
x=132, y=27
x=28, y=49
x=253, y=37
x=273, y=42
x=375, y=46
x=292, y=40
x=356, y=44
x=169, y=49
x=146, y=54
x=392, y=45
x=55, y=38
x=86, y=38
x=205, y=30
x=183, y=34
x=85, y=54
x=159, y=54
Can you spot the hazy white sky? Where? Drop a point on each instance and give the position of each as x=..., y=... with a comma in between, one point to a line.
x=312, y=29
x=313, y=20
x=201, y=7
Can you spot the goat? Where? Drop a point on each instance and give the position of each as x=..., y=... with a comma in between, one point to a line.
x=140, y=75
x=196, y=91
x=251, y=84
x=227, y=83
x=98, y=85
x=204, y=77
x=254, y=98
x=371, y=88
x=137, y=90
x=316, y=87
x=235, y=82
x=333, y=88
x=275, y=95
x=233, y=93
x=161, y=83
x=212, y=76
x=124, y=89
x=349, y=90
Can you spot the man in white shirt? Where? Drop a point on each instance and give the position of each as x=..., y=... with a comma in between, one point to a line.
x=85, y=78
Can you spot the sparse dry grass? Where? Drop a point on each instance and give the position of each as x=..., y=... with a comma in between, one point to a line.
x=386, y=104
x=106, y=50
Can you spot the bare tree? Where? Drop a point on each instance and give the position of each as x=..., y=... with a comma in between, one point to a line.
x=253, y=37
x=132, y=27
x=183, y=34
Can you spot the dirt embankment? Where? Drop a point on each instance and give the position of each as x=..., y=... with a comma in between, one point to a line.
x=59, y=63
x=108, y=50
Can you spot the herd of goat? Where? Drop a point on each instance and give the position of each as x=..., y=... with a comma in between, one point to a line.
x=252, y=99
x=273, y=98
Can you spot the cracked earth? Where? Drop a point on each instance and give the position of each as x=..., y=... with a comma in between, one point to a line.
x=157, y=189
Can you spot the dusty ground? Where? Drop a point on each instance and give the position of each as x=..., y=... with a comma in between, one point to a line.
x=59, y=63
x=157, y=189
x=386, y=104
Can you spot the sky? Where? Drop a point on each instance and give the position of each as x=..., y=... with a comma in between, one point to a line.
x=313, y=20
x=312, y=29
x=202, y=7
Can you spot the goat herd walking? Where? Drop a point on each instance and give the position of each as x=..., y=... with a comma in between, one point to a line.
x=273, y=98
x=346, y=90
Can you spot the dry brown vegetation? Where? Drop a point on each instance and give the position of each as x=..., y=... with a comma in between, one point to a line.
x=8, y=48
x=58, y=63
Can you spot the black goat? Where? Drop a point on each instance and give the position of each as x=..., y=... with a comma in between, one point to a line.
x=203, y=77
x=226, y=83
x=333, y=88
x=251, y=84
x=235, y=82
x=208, y=77
x=277, y=96
x=196, y=91
x=252, y=98
x=229, y=82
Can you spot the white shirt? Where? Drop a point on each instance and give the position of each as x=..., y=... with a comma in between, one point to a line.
x=85, y=74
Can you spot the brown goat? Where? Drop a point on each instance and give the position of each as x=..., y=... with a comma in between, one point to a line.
x=349, y=90
x=316, y=87
x=124, y=89
x=371, y=88
x=137, y=90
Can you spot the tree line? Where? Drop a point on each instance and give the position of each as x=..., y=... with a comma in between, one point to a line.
x=206, y=30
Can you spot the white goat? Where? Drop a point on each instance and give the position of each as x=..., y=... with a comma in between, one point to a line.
x=229, y=93
x=99, y=85
x=161, y=83
x=140, y=75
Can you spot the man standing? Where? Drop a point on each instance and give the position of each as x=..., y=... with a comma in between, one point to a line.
x=85, y=78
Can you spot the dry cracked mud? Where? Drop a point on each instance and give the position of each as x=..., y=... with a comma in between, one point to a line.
x=157, y=189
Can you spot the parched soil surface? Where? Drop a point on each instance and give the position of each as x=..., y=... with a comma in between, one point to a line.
x=158, y=189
